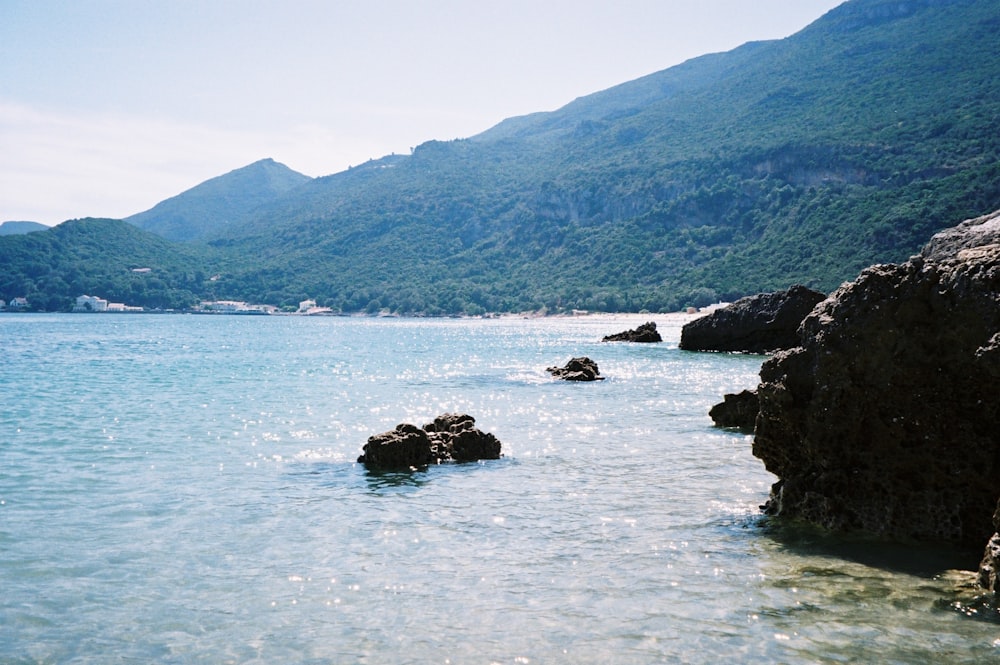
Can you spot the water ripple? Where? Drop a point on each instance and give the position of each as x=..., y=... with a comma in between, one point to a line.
x=182, y=489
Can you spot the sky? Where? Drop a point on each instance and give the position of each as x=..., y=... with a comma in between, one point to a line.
x=108, y=107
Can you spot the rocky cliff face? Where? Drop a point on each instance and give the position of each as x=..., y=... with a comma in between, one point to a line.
x=885, y=417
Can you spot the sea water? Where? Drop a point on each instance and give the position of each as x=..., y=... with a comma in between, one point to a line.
x=179, y=489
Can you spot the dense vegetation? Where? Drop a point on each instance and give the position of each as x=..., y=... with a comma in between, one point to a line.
x=106, y=258
x=800, y=160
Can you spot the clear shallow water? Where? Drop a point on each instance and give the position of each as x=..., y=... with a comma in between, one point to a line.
x=183, y=489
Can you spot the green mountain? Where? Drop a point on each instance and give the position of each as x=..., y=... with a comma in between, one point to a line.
x=799, y=160
x=106, y=258
x=17, y=228
x=215, y=204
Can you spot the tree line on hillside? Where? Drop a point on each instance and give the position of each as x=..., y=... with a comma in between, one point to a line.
x=105, y=258
x=724, y=238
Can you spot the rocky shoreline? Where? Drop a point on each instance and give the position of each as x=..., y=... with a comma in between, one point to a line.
x=875, y=408
x=881, y=417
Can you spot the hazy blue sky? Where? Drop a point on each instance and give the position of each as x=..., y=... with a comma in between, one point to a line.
x=109, y=106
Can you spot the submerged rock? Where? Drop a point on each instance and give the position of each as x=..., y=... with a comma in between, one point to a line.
x=885, y=418
x=646, y=333
x=739, y=410
x=450, y=438
x=577, y=369
x=756, y=324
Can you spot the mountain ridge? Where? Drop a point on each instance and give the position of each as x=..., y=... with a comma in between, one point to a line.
x=800, y=160
x=701, y=188
x=19, y=227
x=218, y=202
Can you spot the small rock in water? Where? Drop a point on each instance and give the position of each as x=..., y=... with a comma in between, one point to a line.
x=451, y=437
x=577, y=369
x=645, y=333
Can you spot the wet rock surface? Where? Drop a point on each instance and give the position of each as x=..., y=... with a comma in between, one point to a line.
x=577, y=369
x=646, y=333
x=885, y=418
x=762, y=323
x=450, y=438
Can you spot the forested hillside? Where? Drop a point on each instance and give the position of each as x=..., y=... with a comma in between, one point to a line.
x=102, y=257
x=800, y=160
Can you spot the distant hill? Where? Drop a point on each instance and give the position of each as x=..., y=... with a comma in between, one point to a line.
x=17, y=228
x=799, y=160
x=105, y=258
x=213, y=205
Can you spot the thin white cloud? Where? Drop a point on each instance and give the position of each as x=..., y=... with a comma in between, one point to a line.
x=58, y=166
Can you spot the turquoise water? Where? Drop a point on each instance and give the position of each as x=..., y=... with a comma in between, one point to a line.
x=179, y=489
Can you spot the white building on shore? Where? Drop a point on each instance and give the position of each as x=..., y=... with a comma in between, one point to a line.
x=122, y=307
x=309, y=308
x=233, y=307
x=90, y=304
x=94, y=304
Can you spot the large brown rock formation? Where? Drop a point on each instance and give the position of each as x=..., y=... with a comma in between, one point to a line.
x=885, y=417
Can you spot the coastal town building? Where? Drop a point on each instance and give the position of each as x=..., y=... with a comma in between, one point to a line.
x=87, y=303
x=233, y=307
x=309, y=308
x=122, y=307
